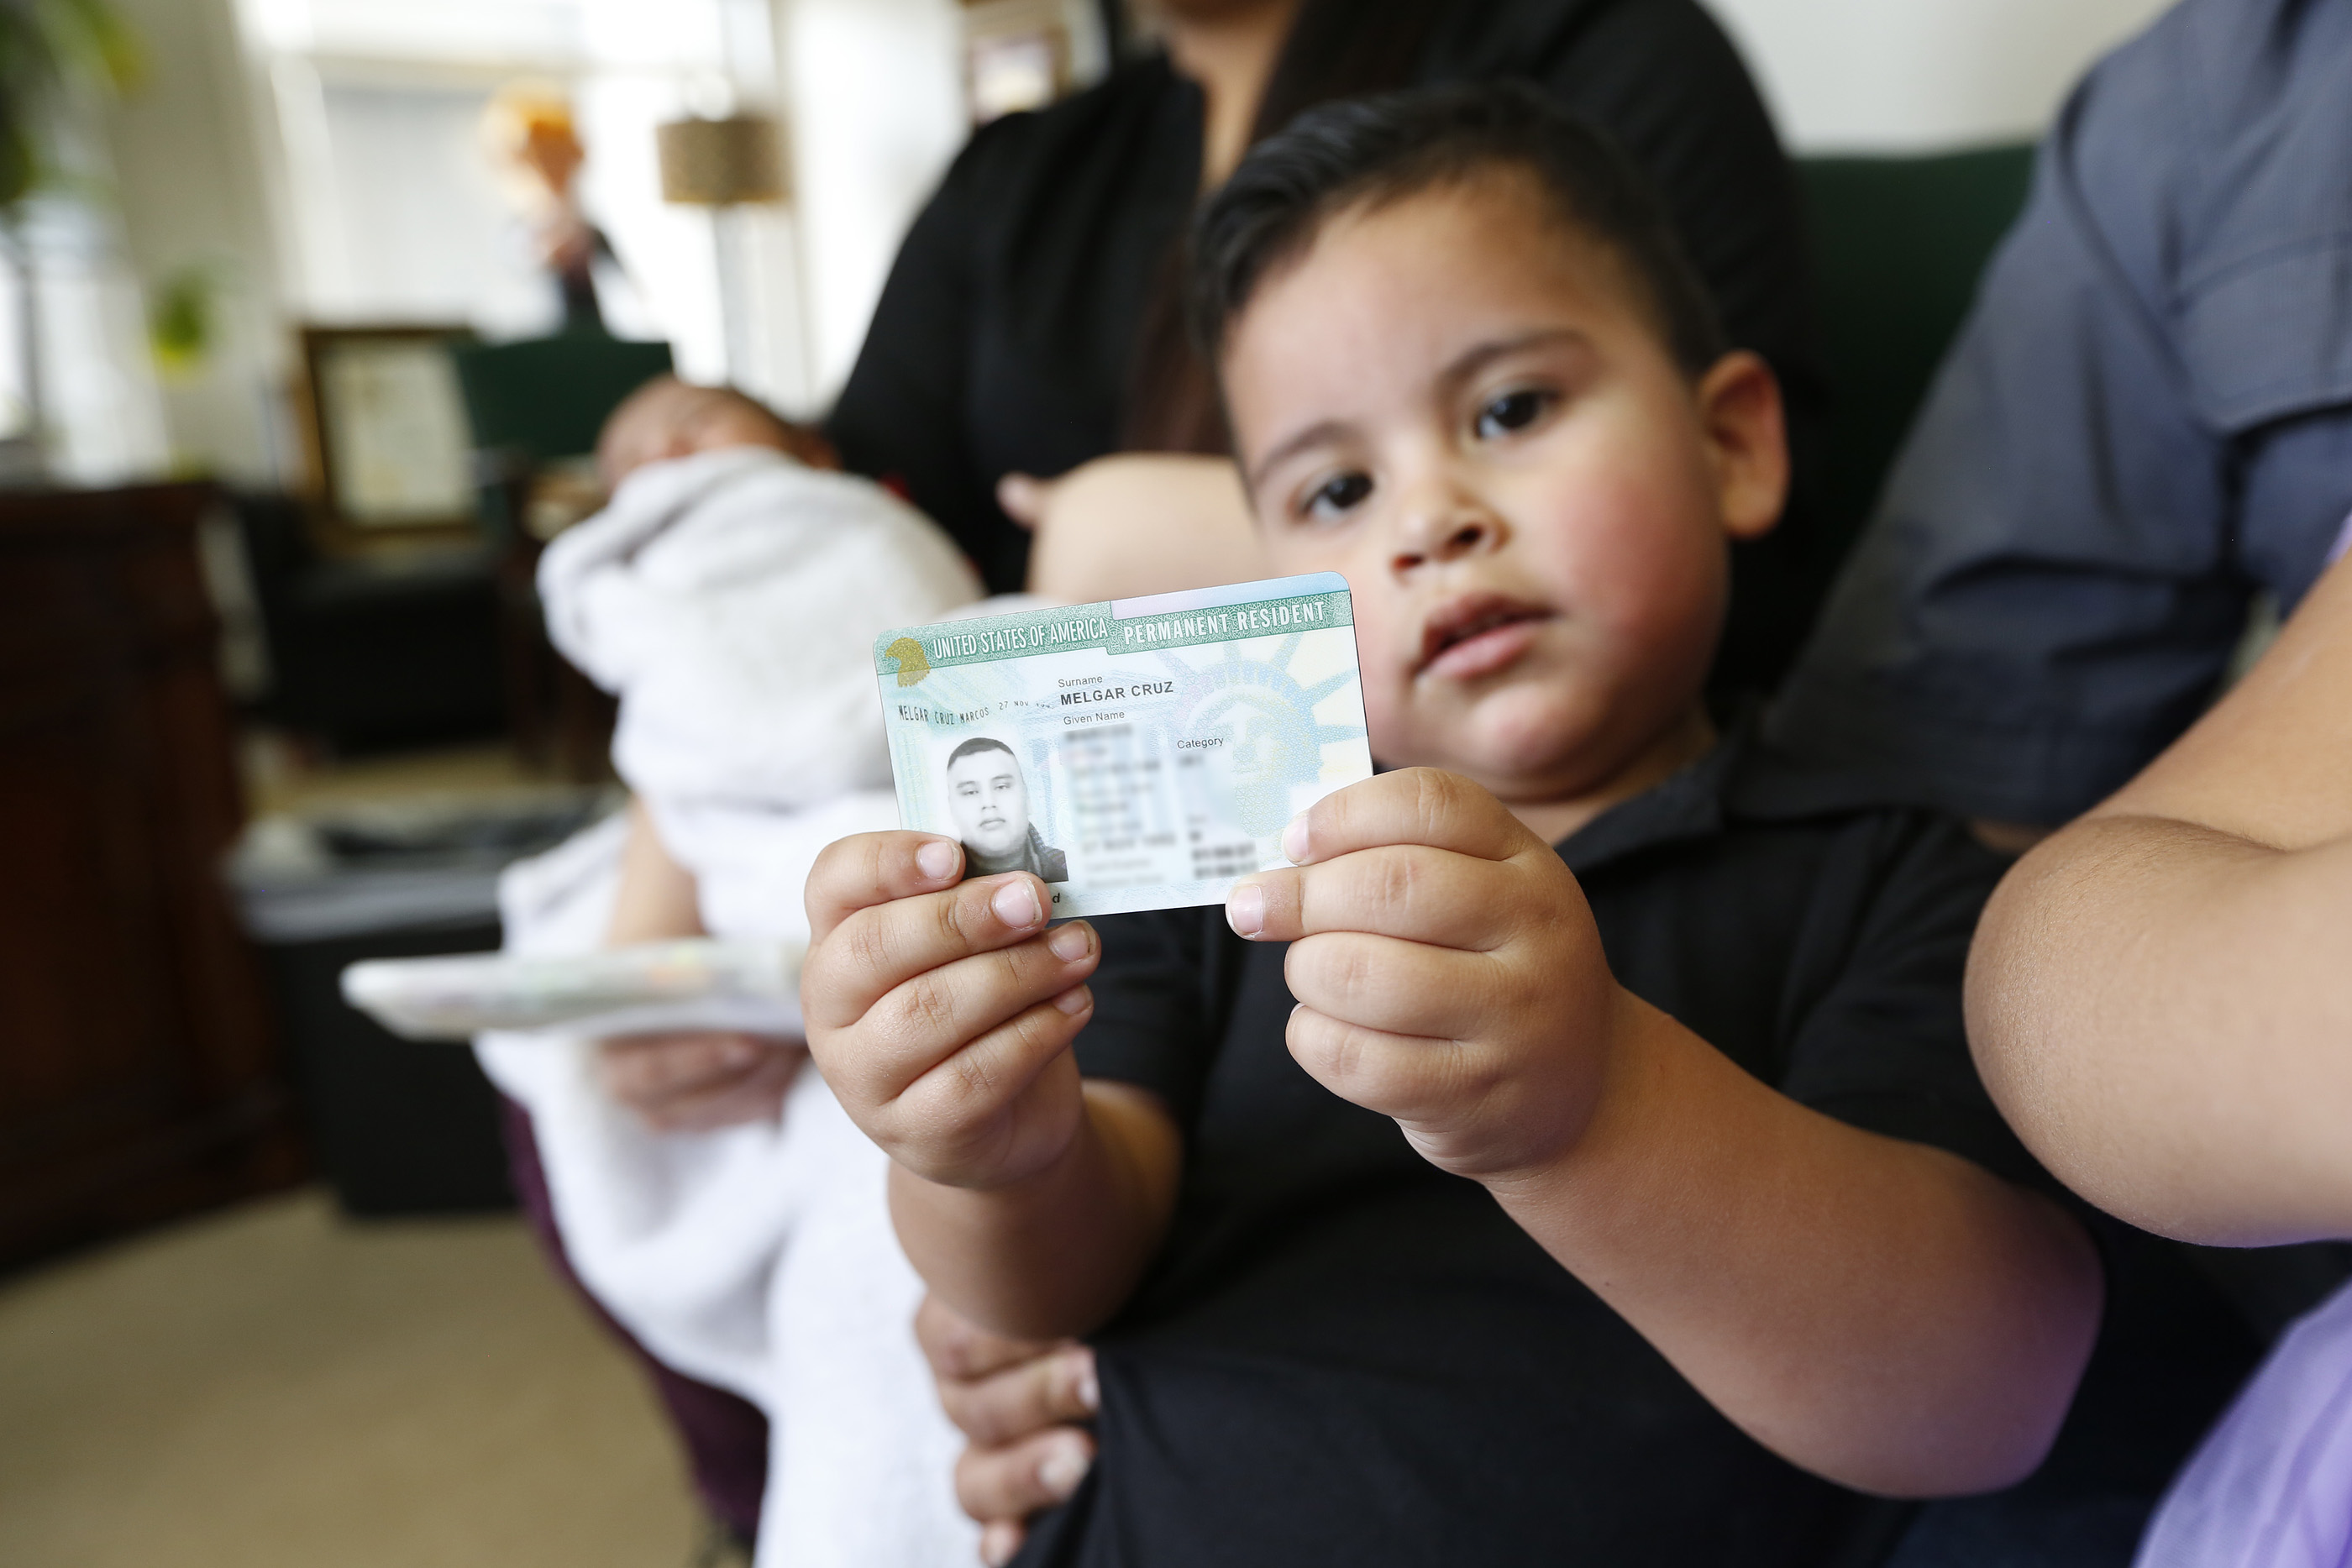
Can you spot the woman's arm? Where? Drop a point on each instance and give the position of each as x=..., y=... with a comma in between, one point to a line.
x=658, y=900
x=1123, y=526
x=2159, y=996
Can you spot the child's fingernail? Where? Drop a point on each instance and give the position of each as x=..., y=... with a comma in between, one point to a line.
x=1063, y=1470
x=1016, y=906
x=1245, y=909
x=936, y=860
x=1087, y=1391
x=1293, y=839
x=1075, y=1001
x=1070, y=944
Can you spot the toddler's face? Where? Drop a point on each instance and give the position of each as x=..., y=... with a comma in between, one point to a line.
x=1469, y=412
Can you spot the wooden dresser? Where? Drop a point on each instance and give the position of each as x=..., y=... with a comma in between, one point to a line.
x=138, y=1075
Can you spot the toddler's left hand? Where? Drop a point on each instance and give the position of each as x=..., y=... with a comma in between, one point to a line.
x=1448, y=969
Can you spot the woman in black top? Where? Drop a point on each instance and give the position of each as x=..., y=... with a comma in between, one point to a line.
x=1028, y=327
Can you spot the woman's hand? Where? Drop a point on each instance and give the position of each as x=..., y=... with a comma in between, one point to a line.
x=1122, y=527
x=1019, y=1403
x=698, y=1082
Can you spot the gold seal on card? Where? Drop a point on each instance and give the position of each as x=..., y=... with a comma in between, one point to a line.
x=912, y=666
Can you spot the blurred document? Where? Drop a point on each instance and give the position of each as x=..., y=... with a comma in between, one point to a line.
x=660, y=987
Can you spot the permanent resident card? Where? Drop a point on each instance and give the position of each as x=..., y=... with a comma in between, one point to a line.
x=1137, y=754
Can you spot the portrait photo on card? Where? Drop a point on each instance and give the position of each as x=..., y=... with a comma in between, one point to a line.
x=988, y=795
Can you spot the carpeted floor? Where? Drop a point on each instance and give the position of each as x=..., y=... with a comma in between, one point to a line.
x=278, y=1386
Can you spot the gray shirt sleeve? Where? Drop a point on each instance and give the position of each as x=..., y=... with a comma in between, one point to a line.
x=2147, y=417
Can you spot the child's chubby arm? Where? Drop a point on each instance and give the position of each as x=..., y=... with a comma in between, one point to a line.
x=1883, y=1313
x=942, y=1013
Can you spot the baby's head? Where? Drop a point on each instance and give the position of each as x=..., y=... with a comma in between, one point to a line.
x=668, y=418
x=1468, y=366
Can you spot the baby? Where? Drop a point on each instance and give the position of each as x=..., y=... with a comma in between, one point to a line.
x=729, y=596
x=668, y=418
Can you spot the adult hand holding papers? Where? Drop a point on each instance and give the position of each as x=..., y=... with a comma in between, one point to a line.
x=750, y=987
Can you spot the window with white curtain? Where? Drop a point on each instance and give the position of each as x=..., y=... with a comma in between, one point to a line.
x=391, y=210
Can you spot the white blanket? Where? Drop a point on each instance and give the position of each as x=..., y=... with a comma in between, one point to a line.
x=731, y=601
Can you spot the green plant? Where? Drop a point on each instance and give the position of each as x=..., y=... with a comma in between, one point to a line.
x=184, y=320
x=47, y=48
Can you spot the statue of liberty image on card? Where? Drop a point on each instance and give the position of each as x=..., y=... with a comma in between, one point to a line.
x=1137, y=754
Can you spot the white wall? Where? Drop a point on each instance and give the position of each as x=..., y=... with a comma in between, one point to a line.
x=191, y=192
x=1908, y=75
x=879, y=108
x=876, y=91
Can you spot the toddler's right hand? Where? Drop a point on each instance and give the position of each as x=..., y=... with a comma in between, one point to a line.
x=942, y=1012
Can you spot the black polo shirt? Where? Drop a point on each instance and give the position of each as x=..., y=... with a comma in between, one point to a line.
x=1345, y=1355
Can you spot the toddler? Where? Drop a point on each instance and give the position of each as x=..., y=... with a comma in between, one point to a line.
x=1576, y=1157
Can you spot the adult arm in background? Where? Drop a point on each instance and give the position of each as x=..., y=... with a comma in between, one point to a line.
x=2159, y=996
x=1139, y=522
x=692, y=1082
x=2146, y=416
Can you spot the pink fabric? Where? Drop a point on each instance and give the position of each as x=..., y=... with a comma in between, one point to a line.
x=2271, y=1488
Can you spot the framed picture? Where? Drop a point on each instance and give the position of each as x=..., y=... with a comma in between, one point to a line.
x=391, y=453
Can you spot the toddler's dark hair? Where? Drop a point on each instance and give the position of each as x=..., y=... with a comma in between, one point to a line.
x=1370, y=151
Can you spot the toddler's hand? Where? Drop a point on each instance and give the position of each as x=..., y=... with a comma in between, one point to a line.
x=1447, y=970
x=942, y=1012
